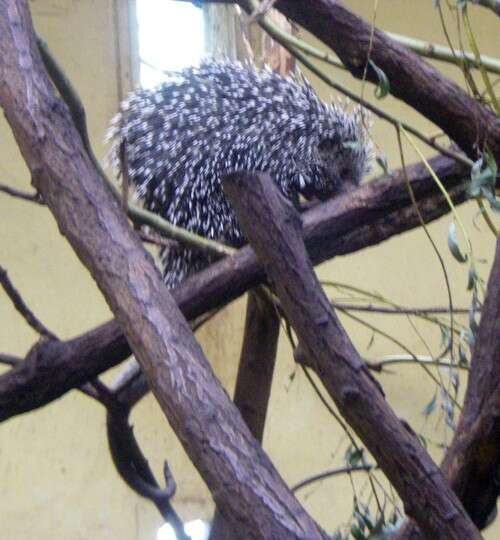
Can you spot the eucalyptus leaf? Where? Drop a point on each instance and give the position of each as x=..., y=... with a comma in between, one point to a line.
x=354, y=456
x=382, y=163
x=453, y=244
x=430, y=407
x=383, y=86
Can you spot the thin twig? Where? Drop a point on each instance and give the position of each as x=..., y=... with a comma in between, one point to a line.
x=334, y=472
x=21, y=306
x=400, y=311
x=445, y=54
x=406, y=359
x=9, y=360
x=156, y=239
x=31, y=197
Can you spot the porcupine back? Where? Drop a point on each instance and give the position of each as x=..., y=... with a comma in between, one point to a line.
x=181, y=137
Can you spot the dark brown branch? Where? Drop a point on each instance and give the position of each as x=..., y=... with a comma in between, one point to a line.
x=472, y=461
x=21, y=306
x=273, y=227
x=52, y=368
x=9, y=360
x=371, y=214
x=233, y=465
x=411, y=79
x=68, y=93
x=255, y=375
x=129, y=460
x=256, y=368
x=126, y=453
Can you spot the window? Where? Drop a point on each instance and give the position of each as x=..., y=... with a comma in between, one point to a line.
x=197, y=530
x=170, y=38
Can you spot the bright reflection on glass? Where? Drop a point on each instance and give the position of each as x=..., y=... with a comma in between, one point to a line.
x=170, y=37
x=196, y=529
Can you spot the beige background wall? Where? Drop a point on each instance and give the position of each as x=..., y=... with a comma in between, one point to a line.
x=56, y=476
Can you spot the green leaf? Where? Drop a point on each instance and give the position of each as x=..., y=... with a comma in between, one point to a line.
x=371, y=342
x=462, y=357
x=473, y=325
x=383, y=86
x=445, y=336
x=472, y=278
x=382, y=163
x=423, y=440
x=483, y=176
x=430, y=407
x=453, y=244
x=357, y=533
x=353, y=456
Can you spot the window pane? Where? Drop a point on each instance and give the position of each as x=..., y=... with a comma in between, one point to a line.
x=170, y=37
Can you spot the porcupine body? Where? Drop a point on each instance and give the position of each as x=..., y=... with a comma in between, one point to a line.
x=183, y=136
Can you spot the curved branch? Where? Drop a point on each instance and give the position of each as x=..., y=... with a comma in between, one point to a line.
x=273, y=227
x=472, y=461
x=126, y=453
x=411, y=79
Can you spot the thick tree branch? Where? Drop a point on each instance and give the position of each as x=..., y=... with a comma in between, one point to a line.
x=472, y=462
x=273, y=228
x=411, y=79
x=236, y=470
x=373, y=213
x=255, y=375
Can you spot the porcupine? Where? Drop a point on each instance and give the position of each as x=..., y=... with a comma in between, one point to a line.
x=183, y=136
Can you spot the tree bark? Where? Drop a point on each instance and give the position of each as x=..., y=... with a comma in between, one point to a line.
x=253, y=383
x=369, y=215
x=238, y=473
x=411, y=79
x=472, y=461
x=273, y=228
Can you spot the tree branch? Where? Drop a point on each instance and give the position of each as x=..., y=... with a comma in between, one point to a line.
x=21, y=306
x=208, y=425
x=273, y=227
x=126, y=453
x=472, y=461
x=365, y=217
x=255, y=375
x=411, y=79
x=17, y=194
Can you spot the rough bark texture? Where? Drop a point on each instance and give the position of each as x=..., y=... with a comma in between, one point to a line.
x=52, y=368
x=273, y=228
x=258, y=356
x=411, y=79
x=253, y=383
x=472, y=461
x=371, y=214
x=236, y=470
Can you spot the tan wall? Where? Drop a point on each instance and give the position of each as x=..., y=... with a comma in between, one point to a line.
x=56, y=475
